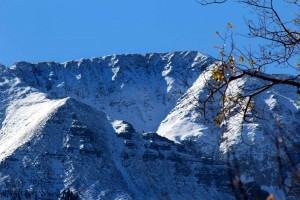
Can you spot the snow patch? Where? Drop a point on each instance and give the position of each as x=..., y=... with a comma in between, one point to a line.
x=271, y=102
x=24, y=118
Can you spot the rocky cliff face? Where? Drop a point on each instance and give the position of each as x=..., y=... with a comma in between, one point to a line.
x=127, y=127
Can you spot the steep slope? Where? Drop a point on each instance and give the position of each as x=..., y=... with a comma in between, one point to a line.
x=23, y=120
x=69, y=151
x=139, y=89
x=51, y=148
x=186, y=121
x=264, y=146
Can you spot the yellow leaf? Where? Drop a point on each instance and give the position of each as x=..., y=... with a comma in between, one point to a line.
x=229, y=25
x=295, y=21
x=221, y=53
x=224, y=98
x=241, y=59
x=231, y=60
x=250, y=105
x=251, y=62
x=219, y=119
x=217, y=74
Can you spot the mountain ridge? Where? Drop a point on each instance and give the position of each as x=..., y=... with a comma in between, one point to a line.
x=132, y=97
x=104, y=84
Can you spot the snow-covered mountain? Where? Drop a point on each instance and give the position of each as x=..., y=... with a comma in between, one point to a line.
x=127, y=127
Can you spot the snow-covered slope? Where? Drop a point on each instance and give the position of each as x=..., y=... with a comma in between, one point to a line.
x=87, y=128
x=59, y=148
x=265, y=146
x=139, y=89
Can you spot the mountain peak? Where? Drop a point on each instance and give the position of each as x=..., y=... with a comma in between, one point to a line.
x=125, y=77
x=128, y=126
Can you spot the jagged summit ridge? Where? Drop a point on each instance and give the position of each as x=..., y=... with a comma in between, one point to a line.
x=140, y=89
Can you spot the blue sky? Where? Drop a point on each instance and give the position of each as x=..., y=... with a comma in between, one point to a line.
x=62, y=30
